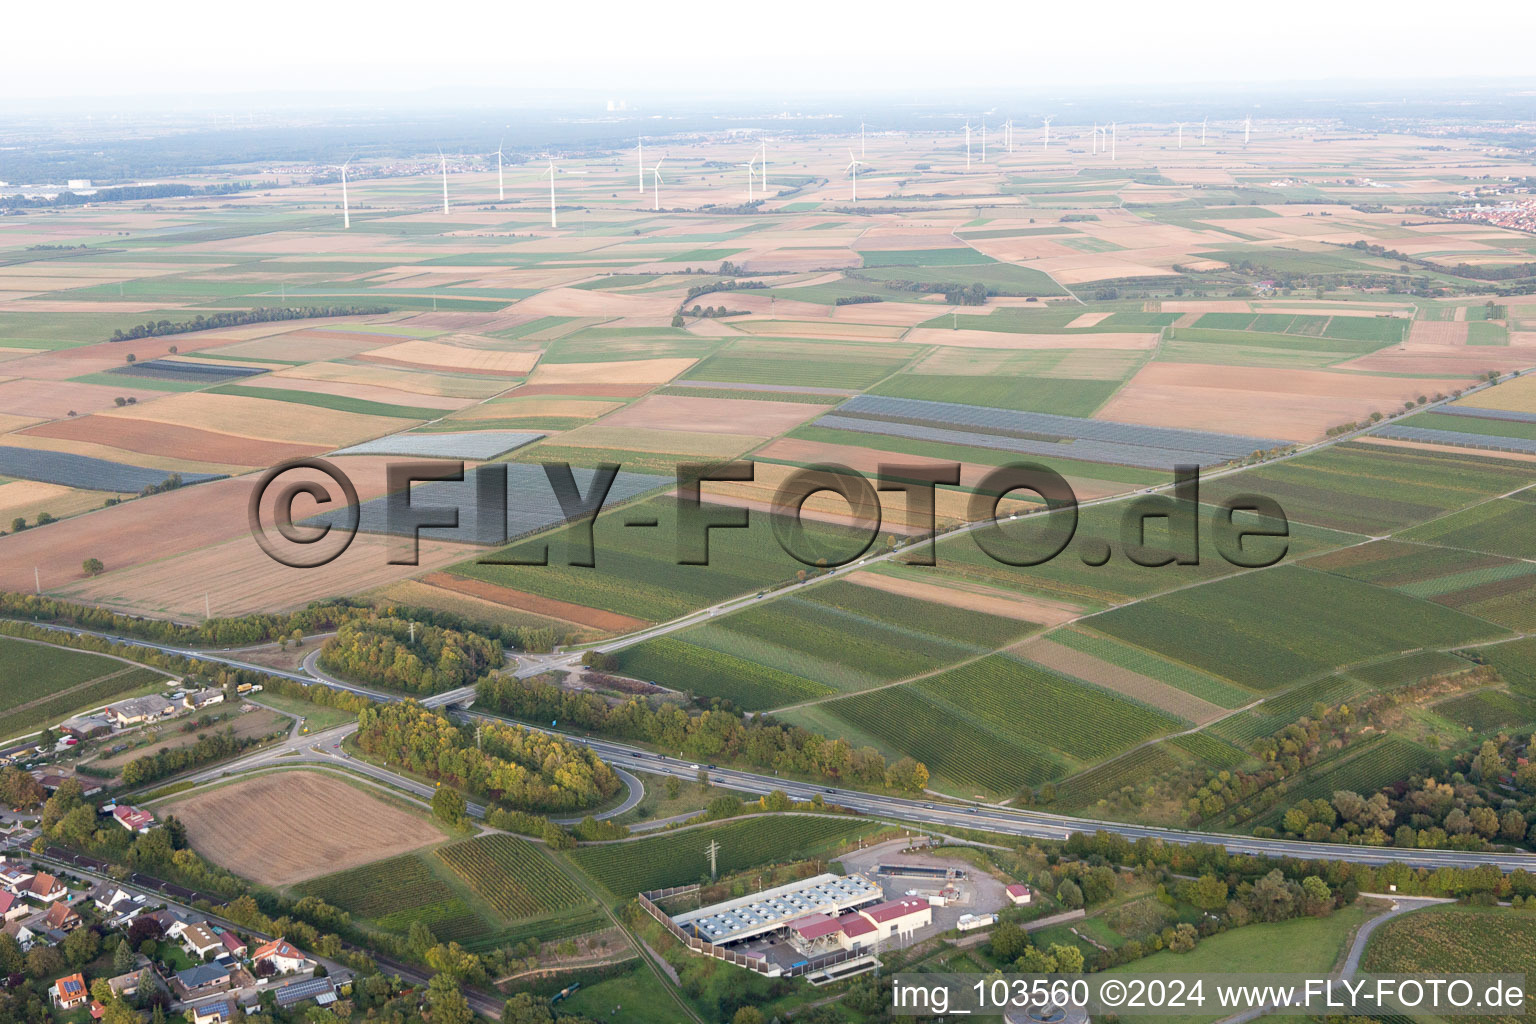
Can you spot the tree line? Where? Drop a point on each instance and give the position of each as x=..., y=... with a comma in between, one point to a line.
x=510, y=765
x=719, y=733
x=143, y=770
x=239, y=317
x=401, y=655
x=120, y=193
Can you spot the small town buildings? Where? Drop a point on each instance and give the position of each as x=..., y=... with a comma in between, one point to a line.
x=13, y=876
x=321, y=990
x=898, y=919
x=1019, y=895
x=70, y=992
x=232, y=944
x=198, y=939
x=24, y=936
x=83, y=727
x=133, y=819
x=12, y=908
x=139, y=710
x=220, y=1011
x=202, y=980
x=284, y=957
x=125, y=984
x=61, y=917
x=195, y=700
x=43, y=887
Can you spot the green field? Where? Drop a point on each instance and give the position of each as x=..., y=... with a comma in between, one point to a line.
x=1138, y=659
x=41, y=684
x=1362, y=768
x=338, y=403
x=674, y=662
x=764, y=362
x=1270, y=628
x=1497, y=527
x=1453, y=940
x=513, y=877
x=678, y=858
x=1061, y=395
x=393, y=893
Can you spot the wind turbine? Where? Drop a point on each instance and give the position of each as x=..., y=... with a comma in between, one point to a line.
x=1008, y=133
x=1247, y=128
x=1181, y=134
x=751, y=166
x=1203, y=120
x=853, y=165
x=444, y=161
x=1095, y=138
x=501, y=185
x=1047, y=133
x=967, y=145
x=656, y=185
x=346, y=211
x=551, y=173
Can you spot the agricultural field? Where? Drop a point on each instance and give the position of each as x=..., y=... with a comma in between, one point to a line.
x=41, y=684
x=1452, y=939
x=628, y=867
x=248, y=826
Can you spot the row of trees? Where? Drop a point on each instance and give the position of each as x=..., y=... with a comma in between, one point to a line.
x=402, y=655
x=239, y=317
x=143, y=770
x=517, y=767
x=716, y=734
x=120, y=193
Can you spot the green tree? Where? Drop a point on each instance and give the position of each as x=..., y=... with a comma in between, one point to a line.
x=81, y=945
x=448, y=1003
x=1069, y=895
x=525, y=1008
x=123, y=957
x=93, y=567
x=748, y=1015
x=448, y=806
x=1009, y=941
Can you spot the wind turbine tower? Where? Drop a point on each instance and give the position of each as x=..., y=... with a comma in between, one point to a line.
x=656, y=185
x=1203, y=120
x=751, y=166
x=1047, y=133
x=346, y=210
x=853, y=165
x=1181, y=134
x=967, y=145
x=551, y=173
x=444, y=163
x=1095, y=138
x=501, y=185
x=1247, y=128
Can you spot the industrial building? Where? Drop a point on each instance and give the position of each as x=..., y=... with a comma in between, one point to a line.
x=773, y=909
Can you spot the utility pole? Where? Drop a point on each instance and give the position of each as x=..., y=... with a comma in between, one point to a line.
x=413, y=632
x=712, y=850
x=37, y=580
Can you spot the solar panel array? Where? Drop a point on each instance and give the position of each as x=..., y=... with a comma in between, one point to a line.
x=1490, y=442
x=531, y=504
x=70, y=470
x=472, y=445
x=1037, y=433
x=1488, y=414
x=755, y=916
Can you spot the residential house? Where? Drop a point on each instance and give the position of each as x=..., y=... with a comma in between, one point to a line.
x=13, y=876
x=86, y=726
x=221, y=1011
x=12, y=908
x=321, y=990
x=199, y=940
x=139, y=710
x=232, y=944
x=44, y=887
x=61, y=917
x=24, y=936
x=133, y=819
x=68, y=993
x=126, y=984
x=196, y=700
x=284, y=957
x=202, y=980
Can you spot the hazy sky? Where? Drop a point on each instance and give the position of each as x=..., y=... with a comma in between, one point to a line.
x=774, y=50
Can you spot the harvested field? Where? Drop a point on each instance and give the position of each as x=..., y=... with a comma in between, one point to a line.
x=249, y=827
x=365, y=392
x=26, y=498
x=1518, y=395
x=713, y=415
x=548, y=607
x=267, y=419
x=1298, y=405
x=1437, y=332
x=416, y=382
x=628, y=373
x=1009, y=340
x=1077, y=664
x=972, y=597
x=57, y=399
x=432, y=355
x=301, y=346
x=594, y=390
x=673, y=442
x=151, y=438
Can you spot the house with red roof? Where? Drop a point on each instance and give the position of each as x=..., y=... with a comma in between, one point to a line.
x=232, y=943
x=898, y=918
x=68, y=993
x=45, y=887
x=133, y=819
x=1019, y=895
x=284, y=957
x=62, y=918
x=12, y=908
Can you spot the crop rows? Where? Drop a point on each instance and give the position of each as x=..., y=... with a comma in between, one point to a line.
x=478, y=445
x=1363, y=769
x=1154, y=667
x=511, y=875
x=391, y=892
x=1487, y=710
x=1264, y=630
x=1498, y=527
x=1040, y=707
x=927, y=618
x=1208, y=750
x=1138, y=766
x=952, y=746
x=673, y=662
x=85, y=472
x=678, y=858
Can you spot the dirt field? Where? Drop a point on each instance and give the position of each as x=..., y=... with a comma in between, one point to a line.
x=48, y=399
x=431, y=355
x=250, y=827
x=973, y=597
x=399, y=394
x=713, y=415
x=670, y=442
x=1518, y=395
x=150, y=438
x=627, y=372
x=1437, y=332
x=1297, y=405
x=1112, y=677
x=268, y=419
x=581, y=615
